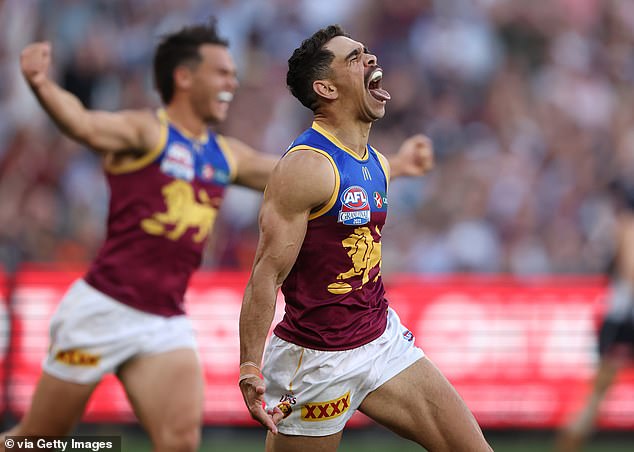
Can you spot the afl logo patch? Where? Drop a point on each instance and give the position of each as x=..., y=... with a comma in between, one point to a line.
x=355, y=209
x=178, y=162
x=354, y=198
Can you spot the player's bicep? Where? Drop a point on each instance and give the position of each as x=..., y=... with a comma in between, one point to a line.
x=281, y=236
x=298, y=184
x=121, y=131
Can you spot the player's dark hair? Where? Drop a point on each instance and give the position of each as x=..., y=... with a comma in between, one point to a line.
x=181, y=48
x=310, y=62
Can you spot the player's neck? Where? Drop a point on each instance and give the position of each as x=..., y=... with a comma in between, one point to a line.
x=353, y=134
x=185, y=119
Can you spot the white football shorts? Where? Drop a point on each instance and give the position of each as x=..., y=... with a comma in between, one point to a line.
x=319, y=391
x=91, y=335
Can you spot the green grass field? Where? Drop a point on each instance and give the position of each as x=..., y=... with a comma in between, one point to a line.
x=369, y=440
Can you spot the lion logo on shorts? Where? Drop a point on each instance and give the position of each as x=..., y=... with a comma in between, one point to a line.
x=183, y=212
x=365, y=254
x=285, y=408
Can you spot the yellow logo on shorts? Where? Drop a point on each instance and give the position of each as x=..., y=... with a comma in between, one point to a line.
x=77, y=358
x=323, y=411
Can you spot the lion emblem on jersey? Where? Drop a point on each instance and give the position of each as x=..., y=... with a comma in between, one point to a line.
x=183, y=212
x=365, y=254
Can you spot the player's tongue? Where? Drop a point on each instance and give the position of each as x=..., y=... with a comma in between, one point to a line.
x=374, y=86
x=380, y=94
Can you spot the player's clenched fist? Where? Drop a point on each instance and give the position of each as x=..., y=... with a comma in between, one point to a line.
x=415, y=157
x=35, y=60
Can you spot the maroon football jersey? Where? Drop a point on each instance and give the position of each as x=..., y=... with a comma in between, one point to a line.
x=162, y=208
x=334, y=293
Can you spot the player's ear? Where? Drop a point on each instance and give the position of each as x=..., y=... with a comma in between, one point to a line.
x=326, y=89
x=182, y=77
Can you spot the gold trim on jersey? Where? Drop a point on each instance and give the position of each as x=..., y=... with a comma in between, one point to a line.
x=146, y=158
x=229, y=157
x=333, y=198
x=338, y=143
x=385, y=165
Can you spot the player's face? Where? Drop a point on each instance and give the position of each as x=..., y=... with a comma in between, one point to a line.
x=214, y=83
x=358, y=78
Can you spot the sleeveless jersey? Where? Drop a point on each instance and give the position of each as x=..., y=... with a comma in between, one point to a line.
x=334, y=292
x=162, y=208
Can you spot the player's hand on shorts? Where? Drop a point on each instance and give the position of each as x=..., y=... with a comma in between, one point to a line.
x=35, y=60
x=415, y=156
x=253, y=394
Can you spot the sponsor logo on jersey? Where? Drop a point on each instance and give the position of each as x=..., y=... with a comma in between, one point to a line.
x=379, y=199
x=408, y=335
x=323, y=411
x=207, y=172
x=355, y=208
x=221, y=176
x=178, y=162
x=77, y=358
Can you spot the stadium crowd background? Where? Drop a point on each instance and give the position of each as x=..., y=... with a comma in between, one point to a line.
x=528, y=103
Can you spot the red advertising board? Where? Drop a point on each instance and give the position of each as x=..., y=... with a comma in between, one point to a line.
x=4, y=335
x=520, y=353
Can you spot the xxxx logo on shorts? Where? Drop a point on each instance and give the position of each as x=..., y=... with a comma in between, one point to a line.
x=77, y=358
x=323, y=411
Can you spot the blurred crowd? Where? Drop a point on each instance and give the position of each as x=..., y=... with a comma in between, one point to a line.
x=529, y=105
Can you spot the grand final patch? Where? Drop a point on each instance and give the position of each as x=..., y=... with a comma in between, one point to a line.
x=355, y=208
x=324, y=411
x=178, y=162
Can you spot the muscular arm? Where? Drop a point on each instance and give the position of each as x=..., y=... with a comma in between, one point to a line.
x=102, y=131
x=302, y=181
x=253, y=167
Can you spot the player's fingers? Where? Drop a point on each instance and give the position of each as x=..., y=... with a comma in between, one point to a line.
x=276, y=415
x=264, y=418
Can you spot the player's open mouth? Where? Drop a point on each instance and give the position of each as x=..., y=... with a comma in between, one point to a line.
x=374, y=85
x=225, y=96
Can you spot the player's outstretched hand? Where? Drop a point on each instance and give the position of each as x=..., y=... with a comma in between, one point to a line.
x=35, y=60
x=415, y=157
x=253, y=393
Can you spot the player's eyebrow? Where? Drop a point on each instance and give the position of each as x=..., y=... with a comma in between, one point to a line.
x=356, y=52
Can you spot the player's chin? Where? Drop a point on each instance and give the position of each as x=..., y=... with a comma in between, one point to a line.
x=218, y=115
x=375, y=112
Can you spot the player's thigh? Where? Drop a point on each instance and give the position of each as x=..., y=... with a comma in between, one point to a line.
x=166, y=391
x=420, y=404
x=290, y=443
x=56, y=407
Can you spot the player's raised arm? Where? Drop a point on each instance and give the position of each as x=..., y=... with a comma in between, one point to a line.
x=301, y=182
x=102, y=131
x=253, y=167
x=415, y=157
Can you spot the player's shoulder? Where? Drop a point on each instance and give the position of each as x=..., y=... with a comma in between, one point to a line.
x=307, y=161
x=303, y=176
